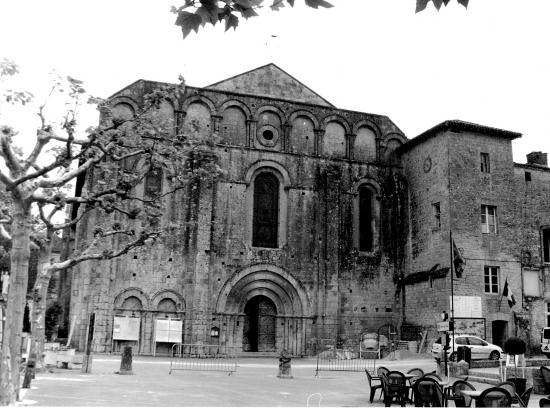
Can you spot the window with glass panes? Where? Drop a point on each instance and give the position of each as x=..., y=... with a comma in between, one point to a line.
x=488, y=219
x=548, y=314
x=436, y=211
x=485, y=163
x=491, y=279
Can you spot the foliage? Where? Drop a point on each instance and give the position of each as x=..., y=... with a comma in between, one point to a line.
x=515, y=346
x=197, y=13
x=107, y=164
x=422, y=4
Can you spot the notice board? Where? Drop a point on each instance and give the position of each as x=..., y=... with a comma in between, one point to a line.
x=467, y=306
x=126, y=328
x=168, y=330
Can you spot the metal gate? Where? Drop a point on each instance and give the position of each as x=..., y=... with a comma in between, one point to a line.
x=348, y=358
x=203, y=357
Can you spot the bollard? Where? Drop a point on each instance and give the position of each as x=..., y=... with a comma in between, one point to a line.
x=284, y=365
x=87, y=363
x=126, y=362
x=29, y=371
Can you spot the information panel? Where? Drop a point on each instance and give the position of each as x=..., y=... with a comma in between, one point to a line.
x=466, y=306
x=126, y=328
x=168, y=330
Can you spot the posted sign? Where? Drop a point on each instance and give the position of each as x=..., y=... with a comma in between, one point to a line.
x=126, y=328
x=443, y=326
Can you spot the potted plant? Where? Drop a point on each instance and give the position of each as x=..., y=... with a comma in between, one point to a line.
x=514, y=346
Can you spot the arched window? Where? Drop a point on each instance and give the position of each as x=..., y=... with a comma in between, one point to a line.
x=365, y=219
x=366, y=216
x=153, y=182
x=265, y=219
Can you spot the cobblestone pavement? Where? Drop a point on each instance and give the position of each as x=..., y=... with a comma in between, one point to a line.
x=254, y=384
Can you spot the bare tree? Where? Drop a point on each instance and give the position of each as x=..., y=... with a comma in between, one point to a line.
x=39, y=192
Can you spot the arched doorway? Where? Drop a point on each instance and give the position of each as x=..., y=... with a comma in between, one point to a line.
x=259, y=324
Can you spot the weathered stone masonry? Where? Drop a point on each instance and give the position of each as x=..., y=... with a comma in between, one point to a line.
x=355, y=246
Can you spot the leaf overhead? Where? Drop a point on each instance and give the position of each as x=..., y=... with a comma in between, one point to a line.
x=188, y=22
x=318, y=3
x=231, y=21
x=422, y=4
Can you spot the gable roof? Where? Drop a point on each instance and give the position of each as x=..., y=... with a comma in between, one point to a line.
x=270, y=80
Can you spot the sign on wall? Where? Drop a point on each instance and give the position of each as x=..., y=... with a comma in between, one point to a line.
x=168, y=330
x=126, y=328
x=466, y=306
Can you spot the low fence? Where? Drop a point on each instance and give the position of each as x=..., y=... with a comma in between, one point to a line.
x=345, y=358
x=203, y=357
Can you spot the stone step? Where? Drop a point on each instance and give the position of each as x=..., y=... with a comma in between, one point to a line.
x=258, y=354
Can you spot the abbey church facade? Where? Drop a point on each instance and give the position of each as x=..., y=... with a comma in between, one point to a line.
x=326, y=224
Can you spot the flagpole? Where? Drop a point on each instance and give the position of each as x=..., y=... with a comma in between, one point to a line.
x=452, y=288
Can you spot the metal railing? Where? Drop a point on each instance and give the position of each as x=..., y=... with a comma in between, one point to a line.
x=203, y=357
x=347, y=358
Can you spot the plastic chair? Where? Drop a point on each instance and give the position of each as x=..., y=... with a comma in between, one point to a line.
x=494, y=397
x=374, y=387
x=459, y=399
x=524, y=398
x=395, y=388
x=511, y=388
x=417, y=372
x=382, y=370
x=545, y=374
x=433, y=375
x=427, y=393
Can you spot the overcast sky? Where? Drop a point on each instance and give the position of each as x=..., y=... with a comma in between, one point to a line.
x=489, y=64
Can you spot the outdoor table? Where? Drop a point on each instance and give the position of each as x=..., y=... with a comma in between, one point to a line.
x=475, y=394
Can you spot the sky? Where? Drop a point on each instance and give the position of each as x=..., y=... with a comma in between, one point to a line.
x=489, y=64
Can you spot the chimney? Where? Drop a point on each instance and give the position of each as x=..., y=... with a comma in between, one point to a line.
x=539, y=158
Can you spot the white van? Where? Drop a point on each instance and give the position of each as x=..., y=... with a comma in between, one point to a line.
x=545, y=341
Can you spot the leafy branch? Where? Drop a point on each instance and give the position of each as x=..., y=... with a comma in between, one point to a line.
x=197, y=13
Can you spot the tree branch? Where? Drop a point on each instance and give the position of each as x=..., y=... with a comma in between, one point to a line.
x=139, y=241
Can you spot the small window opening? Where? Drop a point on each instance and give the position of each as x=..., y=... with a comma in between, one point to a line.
x=268, y=134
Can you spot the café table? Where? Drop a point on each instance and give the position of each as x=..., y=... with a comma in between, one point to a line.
x=474, y=394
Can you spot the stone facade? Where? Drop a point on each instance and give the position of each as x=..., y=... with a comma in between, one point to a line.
x=355, y=246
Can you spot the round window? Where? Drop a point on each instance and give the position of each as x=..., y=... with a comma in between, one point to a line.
x=268, y=136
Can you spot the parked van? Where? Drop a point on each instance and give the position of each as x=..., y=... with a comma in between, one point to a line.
x=545, y=341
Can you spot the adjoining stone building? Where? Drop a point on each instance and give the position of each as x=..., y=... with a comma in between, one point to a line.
x=327, y=223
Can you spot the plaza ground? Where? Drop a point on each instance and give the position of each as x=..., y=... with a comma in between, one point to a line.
x=254, y=384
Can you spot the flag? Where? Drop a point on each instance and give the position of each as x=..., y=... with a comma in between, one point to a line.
x=458, y=261
x=507, y=292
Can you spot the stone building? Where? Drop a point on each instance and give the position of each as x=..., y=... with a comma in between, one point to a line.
x=327, y=223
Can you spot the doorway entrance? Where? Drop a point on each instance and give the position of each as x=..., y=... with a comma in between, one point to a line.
x=500, y=332
x=259, y=324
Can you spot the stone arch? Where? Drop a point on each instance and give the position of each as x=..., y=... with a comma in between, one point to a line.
x=395, y=135
x=233, y=126
x=303, y=133
x=273, y=109
x=129, y=292
x=199, y=99
x=391, y=145
x=252, y=170
x=366, y=123
x=285, y=291
x=127, y=100
x=235, y=103
x=336, y=118
x=168, y=294
x=373, y=224
x=284, y=183
x=303, y=112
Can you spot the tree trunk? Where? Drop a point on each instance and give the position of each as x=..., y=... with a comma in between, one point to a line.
x=38, y=320
x=11, y=346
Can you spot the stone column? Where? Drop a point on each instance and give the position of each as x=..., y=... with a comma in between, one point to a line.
x=251, y=128
x=285, y=142
x=319, y=134
x=350, y=142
